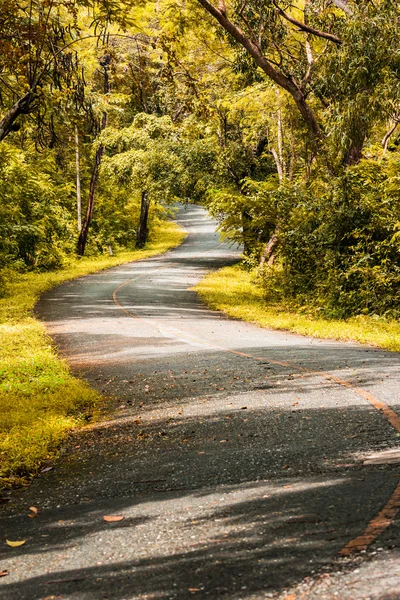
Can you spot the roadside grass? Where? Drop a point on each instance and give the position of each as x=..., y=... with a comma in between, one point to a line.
x=40, y=401
x=234, y=291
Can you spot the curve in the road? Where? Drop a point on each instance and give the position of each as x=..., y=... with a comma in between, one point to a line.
x=234, y=455
x=389, y=512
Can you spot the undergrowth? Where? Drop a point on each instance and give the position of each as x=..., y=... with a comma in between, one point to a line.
x=236, y=292
x=40, y=401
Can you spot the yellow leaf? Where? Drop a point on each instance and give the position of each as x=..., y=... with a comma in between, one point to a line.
x=15, y=544
x=34, y=512
x=113, y=518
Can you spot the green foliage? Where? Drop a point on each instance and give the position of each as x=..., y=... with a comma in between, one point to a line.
x=35, y=223
x=339, y=245
x=191, y=117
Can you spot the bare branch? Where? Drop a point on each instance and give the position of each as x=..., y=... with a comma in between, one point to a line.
x=387, y=136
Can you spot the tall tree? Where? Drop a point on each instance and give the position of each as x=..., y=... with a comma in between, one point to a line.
x=83, y=234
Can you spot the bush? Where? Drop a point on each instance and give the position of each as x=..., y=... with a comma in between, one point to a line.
x=339, y=248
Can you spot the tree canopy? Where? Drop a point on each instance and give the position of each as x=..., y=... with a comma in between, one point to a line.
x=280, y=117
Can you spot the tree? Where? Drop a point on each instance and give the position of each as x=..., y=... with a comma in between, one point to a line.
x=39, y=57
x=144, y=159
x=105, y=64
x=290, y=50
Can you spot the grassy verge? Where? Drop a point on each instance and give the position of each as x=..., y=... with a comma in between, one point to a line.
x=234, y=291
x=40, y=401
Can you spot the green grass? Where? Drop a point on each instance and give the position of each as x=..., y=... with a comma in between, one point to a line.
x=40, y=401
x=235, y=292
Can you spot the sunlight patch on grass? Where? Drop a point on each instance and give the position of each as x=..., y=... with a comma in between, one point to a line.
x=40, y=401
x=234, y=292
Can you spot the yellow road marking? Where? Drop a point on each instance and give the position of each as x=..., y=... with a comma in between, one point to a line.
x=386, y=516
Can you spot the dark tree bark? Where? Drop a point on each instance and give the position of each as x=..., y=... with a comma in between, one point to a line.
x=90, y=205
x=21, y=107
x=105, y=63
x=142, y=231
x=354, y=152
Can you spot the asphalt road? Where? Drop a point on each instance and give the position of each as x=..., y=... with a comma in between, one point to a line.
x=235, y=453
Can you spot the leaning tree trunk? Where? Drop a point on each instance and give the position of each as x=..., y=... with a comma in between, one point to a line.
x=268, y=255
x=105, y=63
x=143, y=230
x=90, y=206
x=78, y=181
x=21, y=107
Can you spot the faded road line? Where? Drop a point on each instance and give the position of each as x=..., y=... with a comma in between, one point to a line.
x=388, y=513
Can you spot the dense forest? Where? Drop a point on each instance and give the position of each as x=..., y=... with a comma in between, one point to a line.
x=280, y=117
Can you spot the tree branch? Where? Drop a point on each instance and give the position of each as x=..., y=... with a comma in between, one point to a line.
x=308, y=29
x=276, y=76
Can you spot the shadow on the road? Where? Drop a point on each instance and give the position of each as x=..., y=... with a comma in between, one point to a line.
x=236, y=477
x=265, y=497
x=158, y=369
x=281, y=534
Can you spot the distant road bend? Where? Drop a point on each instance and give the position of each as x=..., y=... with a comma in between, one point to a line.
x=235, y=455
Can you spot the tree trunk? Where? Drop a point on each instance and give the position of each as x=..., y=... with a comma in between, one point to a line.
x=78, y=182
x=268, y=255
x=90, y=206
x=354, y=153
x=21, y=107
x=287, y=83
x=105, y=63
x=142, y=231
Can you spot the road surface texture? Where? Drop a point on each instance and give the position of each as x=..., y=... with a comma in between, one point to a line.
x=235, y=454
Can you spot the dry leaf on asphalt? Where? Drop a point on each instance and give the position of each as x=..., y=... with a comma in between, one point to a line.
x=113, y=518
x=33, y=513
x=16, y=543
x=4, y=573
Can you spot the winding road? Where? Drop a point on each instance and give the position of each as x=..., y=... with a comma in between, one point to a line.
x=235, y=454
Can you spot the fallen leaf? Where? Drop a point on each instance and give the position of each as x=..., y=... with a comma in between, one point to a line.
x=47, y=469
x=16, y=543
x=4, y=573
x=113, y=518
x=34, y=512
x=194, y=589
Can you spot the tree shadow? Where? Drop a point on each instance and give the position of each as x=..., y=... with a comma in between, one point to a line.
x=262, y=537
